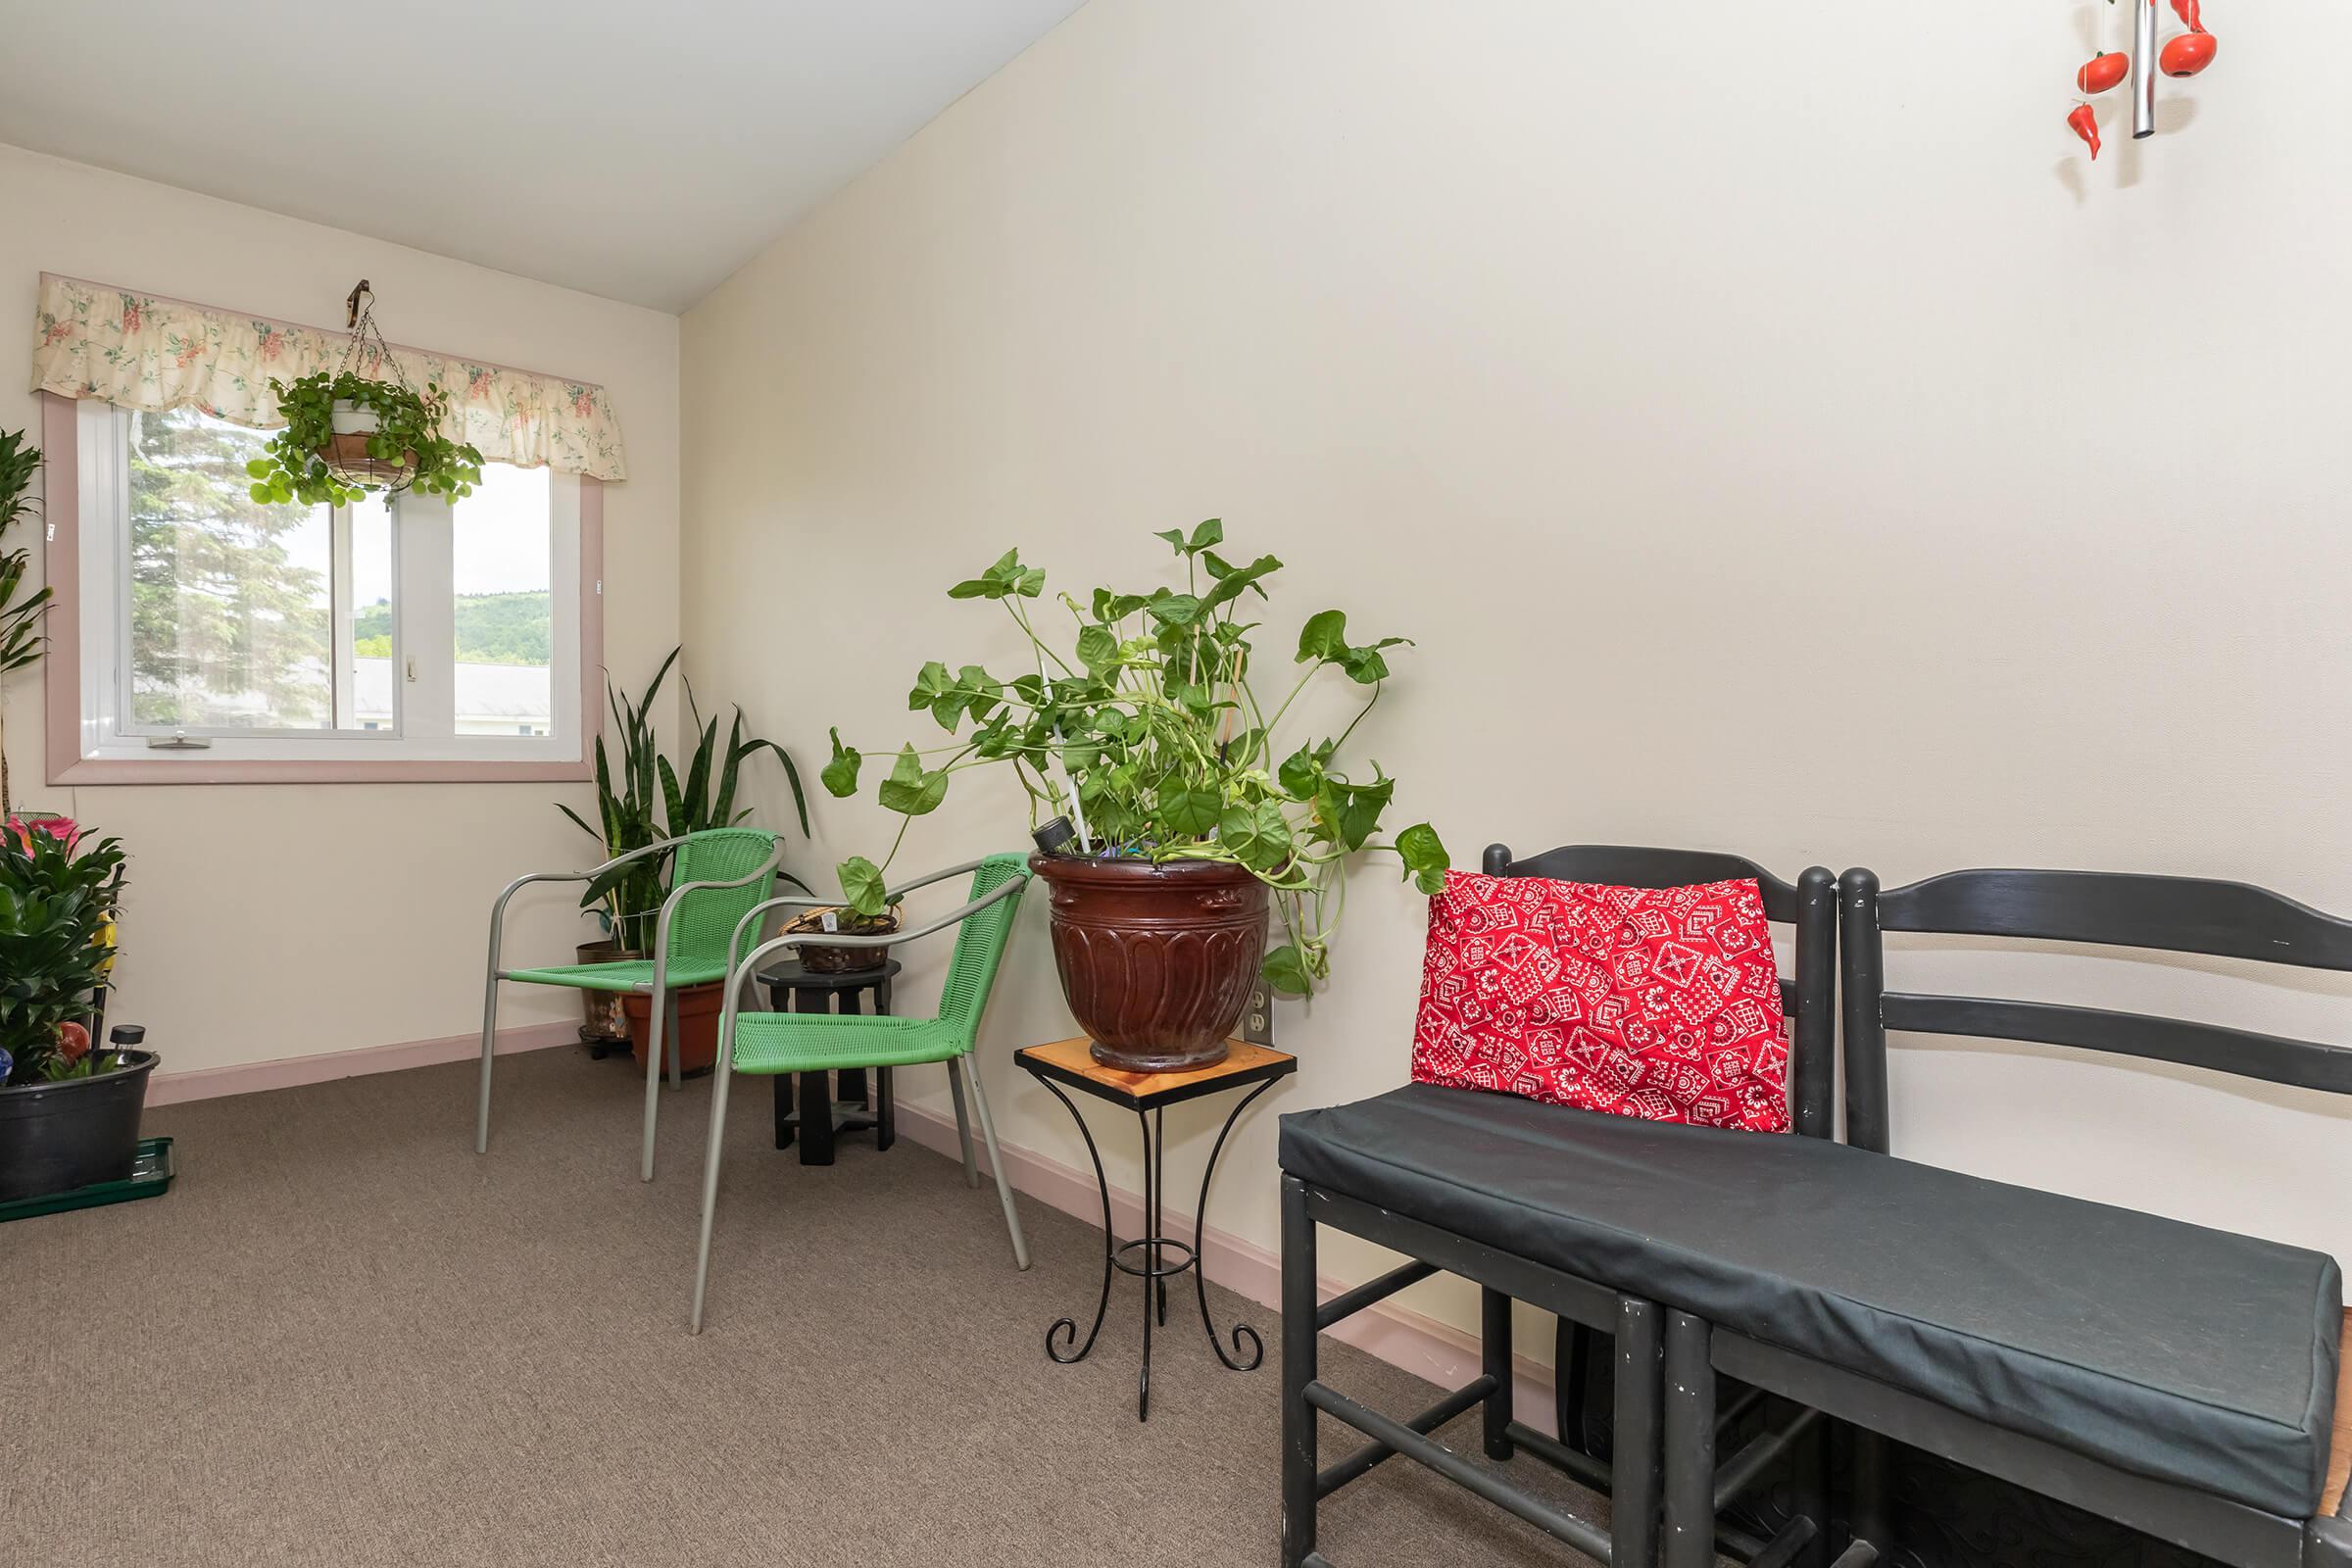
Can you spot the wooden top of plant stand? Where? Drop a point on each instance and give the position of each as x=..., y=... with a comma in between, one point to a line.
x=1071, y=1061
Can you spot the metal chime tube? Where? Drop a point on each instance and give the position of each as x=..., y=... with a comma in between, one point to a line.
x=2143, y=69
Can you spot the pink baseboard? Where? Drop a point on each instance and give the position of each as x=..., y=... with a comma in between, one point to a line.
x=288, y=1072
x=1413, y=1341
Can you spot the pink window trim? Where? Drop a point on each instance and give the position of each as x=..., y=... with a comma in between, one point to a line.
x=62, y=667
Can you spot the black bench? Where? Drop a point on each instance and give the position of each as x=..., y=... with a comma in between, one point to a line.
x=1468, y=1183
x=2175, y=1379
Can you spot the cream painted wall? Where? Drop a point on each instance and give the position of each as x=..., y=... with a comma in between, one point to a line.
x=267, y=922
x=1775, y=436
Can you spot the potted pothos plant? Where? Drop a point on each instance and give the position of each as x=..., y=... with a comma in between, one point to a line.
x=68, y=1110
x=643, y=800
x=1194, y=819
x=347, y=435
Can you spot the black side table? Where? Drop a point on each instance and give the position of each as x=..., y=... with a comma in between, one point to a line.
x=1148, y=1095
x=793, y=988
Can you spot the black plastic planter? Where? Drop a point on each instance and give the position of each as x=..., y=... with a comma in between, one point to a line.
x=57, y=1136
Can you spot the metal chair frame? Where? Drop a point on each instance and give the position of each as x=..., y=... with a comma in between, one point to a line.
x=663, y=1022
x=741, y=972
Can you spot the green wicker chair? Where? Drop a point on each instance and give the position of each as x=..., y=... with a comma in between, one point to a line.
x=773, y=1043
x=716, y=874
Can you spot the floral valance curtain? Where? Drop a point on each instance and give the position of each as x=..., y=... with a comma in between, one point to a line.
x=141, y=352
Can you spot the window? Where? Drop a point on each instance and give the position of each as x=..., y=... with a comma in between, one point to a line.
x=402, y=630
x=506, y=629
x=237, y=615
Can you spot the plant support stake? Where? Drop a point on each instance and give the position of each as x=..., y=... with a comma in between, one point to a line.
x=1086, y=840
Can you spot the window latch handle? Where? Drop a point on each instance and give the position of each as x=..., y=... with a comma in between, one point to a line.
x=411, y=670
x=179, y=740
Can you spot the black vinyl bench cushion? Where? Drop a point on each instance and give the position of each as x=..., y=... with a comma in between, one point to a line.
x=2188, y=1354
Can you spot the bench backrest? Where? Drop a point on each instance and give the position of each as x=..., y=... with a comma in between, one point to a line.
x=1810, y=905
x=2171, y=913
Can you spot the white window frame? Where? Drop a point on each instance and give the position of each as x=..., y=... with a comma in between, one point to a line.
x=88, y=443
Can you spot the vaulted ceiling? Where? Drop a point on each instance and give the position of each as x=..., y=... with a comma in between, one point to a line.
x=638, y=149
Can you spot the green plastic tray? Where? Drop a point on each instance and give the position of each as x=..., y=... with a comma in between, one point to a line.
x=149, y=1177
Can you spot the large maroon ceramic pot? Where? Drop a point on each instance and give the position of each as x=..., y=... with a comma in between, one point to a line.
x=1157, y=960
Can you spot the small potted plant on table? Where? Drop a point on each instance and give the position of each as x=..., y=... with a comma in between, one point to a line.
x=822, y=958
x=1191, y=826
x=68, y=1110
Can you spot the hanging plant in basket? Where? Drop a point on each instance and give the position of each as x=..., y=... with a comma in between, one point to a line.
x=348, y=435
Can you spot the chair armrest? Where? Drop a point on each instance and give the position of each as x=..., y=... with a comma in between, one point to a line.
x=996, y=894
x=905, y=888
x=498, y=906
x=623, y=859
x=589, y=875
x=522, y=882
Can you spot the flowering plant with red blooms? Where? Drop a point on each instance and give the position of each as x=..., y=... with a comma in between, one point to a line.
x=59, y=891
x=64, y=829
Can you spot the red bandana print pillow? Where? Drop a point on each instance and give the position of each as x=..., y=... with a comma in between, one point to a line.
x=1658, y=1002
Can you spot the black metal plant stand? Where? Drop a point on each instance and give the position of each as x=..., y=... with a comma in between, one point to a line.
x=1155, y=1257
x=792, y=987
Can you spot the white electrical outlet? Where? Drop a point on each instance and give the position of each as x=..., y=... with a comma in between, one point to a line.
x=1257, y=1017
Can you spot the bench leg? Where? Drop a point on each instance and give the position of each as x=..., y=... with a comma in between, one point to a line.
x=1690, y=1400
x=1297, y=1371
x=1571, y=1344
x=1633, y=1499
x=2327, y=1542
x=1873, y=1492
x=1495, y=1346
x=1812, y=1492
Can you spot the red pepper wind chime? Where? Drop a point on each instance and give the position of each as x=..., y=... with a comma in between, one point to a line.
x=2185, y=56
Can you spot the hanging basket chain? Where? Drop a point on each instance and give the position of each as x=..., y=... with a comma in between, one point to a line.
x=367, y=352
x=401, y=446
x=365, y=356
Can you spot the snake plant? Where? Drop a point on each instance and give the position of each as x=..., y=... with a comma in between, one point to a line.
x=644, y=801
x=19, y=619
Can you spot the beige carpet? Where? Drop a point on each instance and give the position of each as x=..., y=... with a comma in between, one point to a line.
x=345, y=1340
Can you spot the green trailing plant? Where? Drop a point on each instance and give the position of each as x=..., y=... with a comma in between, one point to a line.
x=295, y=466
x=58, y=896
x=19, y=617
x=1153, y=721
x=643, y=800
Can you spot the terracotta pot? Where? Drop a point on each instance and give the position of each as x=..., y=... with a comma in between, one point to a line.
x=1157, y=960
x=604, y=1014
x=698, y=1025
